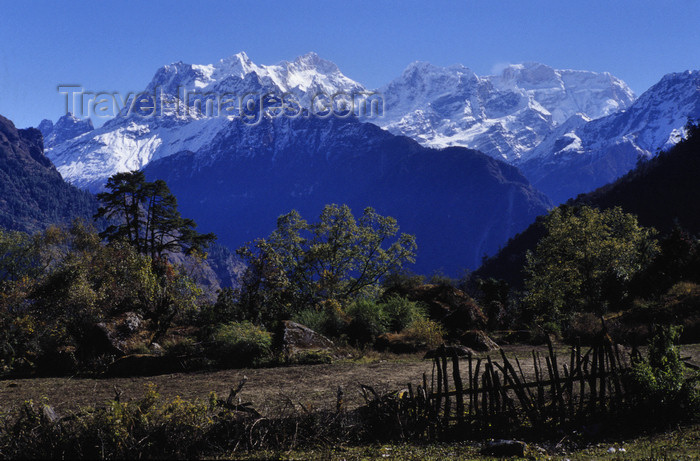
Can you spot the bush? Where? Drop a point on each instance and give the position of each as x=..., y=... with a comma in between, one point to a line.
x=659, y=380
x=157, y=428
x=400, y=312
x=312, y=318
x=185, y=347
x=311, y=357
x=368, y=320
x=425, y=331
x=237, y=344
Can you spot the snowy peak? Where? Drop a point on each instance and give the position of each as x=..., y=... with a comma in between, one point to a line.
x=66, y=128
x=238, y=73
x=567, y=92
x=505, y=115
x=588, y=155
x=131, y=140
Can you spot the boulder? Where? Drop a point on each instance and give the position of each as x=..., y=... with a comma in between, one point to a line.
x=99, y=340
x=478, y=340
x=299, y=338
x=130, y=323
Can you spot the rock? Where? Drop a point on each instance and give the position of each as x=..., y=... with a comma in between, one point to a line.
x=478, y=340
x=49, y=414
x=504, y=448
x=448, y=351
x=99, y=340
x=297, y=337
x=131, y=323
x=156, y=349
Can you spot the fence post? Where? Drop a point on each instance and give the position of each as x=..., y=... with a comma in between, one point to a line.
x=458, y=387
x=438, y=396
x=445, y=377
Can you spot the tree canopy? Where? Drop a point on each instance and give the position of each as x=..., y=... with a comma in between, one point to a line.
x=147, y=216
x=586, y=261
x=301, y=265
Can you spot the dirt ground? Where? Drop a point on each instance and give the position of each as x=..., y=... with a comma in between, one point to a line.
x=314, y=386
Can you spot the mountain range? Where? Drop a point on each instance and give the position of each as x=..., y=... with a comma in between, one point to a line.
x=504, y=116
x=583, y=155
x=567, y=131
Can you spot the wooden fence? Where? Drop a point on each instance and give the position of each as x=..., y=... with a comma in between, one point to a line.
x=483, y=393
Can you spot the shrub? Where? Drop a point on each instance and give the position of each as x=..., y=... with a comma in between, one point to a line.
x=157, y=428
x=552, y=328
x=312, y=318
x=182, y=347
x=400, y=312
x=311, y=358
x=660, y=382
x=237, y=344
x=368, y=320
x=425, y=331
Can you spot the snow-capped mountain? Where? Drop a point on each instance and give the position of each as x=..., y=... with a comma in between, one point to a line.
x=583, y=155
x=306, y=76
x=234, y=175
x=505, y=115
x=131, y=140
x=66, y=128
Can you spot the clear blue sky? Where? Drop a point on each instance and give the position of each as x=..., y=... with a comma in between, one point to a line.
x=117, y=46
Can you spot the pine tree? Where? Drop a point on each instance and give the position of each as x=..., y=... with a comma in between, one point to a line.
x=145, y=215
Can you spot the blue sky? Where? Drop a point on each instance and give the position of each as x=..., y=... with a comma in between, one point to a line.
x=117, y=46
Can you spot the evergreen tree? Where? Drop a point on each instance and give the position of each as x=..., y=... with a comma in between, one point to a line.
x=146, y=217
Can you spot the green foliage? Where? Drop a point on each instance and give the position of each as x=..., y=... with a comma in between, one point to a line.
x=660, y=379
x=363, y=320
x=661, y=373
x=678, y=259
x=368, y=319
x=400, y=312
x=301, y=265
x=237, y=344
x=147, y=428
x=148, y=216
x=225, y=309
x=311, y=357
x=314, y=319
x=64, y=281
x=425, y=331
x=402, y=281
x=585, y=262
x=17, y=257
x=494, y=297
